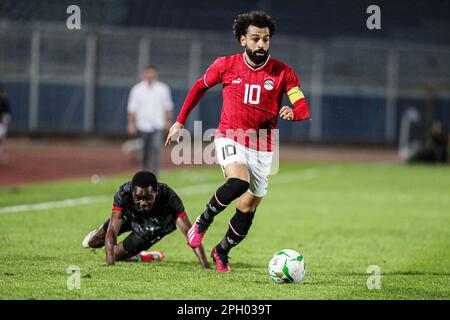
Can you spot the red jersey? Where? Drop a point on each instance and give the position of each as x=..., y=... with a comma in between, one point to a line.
x=252, y=98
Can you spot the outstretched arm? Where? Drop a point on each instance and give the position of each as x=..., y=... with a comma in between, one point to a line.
x=115, y=223
x=194, y=96
x=184, y=225
x=211, y=77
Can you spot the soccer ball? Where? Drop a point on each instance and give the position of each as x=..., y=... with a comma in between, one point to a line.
x=287, y=266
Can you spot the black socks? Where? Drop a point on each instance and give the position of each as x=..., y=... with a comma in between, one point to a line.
x=238, y=229
x=229, y=191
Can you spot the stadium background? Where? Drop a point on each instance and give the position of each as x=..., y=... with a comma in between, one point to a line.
x=342, y=198
x=359, y=82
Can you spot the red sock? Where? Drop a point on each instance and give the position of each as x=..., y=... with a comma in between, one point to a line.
x=146, y=257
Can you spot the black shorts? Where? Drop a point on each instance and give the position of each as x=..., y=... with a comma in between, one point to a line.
x=134, y=242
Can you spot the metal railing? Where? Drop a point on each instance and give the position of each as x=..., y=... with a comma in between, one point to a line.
x=86, y=60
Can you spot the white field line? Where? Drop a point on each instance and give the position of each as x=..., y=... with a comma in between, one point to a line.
x=204, y=187
x=53, y=204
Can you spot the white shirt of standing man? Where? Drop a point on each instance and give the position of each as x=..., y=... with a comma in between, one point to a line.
x=150, y=104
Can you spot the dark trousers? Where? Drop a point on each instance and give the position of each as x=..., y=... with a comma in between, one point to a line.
x=151, y=149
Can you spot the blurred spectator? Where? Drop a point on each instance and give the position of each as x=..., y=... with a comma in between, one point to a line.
x=5, y=119
x=150, y=108
x=436, y=146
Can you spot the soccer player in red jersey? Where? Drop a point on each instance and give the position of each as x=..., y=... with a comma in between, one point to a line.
x=253, y=87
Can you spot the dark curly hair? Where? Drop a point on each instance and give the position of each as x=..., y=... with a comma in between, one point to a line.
x=144, y=179
x=258, y=19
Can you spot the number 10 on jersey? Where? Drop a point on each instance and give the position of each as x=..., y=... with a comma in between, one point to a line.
x=252, y=93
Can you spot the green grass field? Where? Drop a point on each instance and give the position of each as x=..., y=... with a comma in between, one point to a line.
x=341, y=217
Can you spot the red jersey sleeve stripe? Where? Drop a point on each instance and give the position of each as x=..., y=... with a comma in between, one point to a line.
x=182, y=214
x=117, y=208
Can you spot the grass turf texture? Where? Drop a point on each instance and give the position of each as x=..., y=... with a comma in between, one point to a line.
x=341, y=217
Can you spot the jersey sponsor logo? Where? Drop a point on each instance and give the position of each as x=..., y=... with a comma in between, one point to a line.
x=238, y=80
x=269, y=84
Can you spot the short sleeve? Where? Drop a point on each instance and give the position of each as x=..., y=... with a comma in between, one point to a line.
x=213, y=74
x=132, y=100
x=175, y=204
x=291, y=80
x=118, y=200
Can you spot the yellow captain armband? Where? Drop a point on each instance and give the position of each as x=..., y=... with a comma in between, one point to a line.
x=295, y=94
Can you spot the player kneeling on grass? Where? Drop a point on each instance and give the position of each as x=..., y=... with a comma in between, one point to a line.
x=150, y=210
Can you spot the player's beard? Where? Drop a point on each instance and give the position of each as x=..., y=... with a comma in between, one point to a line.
x=257, y=59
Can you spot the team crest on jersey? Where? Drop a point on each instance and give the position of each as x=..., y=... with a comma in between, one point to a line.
x=269, y=84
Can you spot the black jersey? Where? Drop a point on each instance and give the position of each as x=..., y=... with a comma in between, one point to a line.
x=160, y=220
